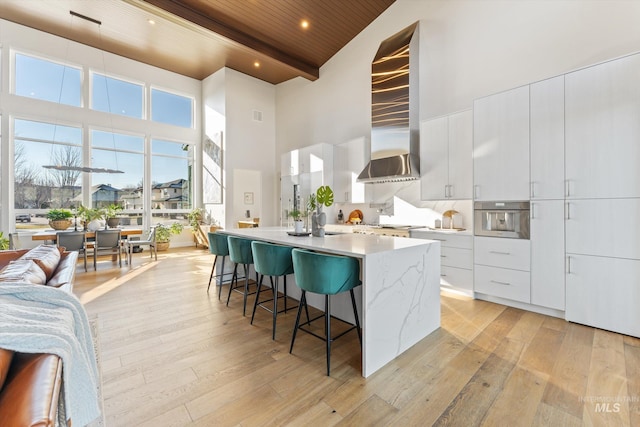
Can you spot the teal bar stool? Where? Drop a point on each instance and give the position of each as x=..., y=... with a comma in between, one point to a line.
x=240, y=253
x=326, y=275
x=218, y=246
x=273, y=261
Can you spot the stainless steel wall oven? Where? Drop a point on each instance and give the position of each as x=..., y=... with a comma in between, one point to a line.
x=502, y=219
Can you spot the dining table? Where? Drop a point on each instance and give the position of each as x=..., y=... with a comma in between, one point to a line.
x=50, y=234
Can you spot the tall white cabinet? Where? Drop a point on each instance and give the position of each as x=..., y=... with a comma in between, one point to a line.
x=446, y=145
x=547, y=193
x=349, y=160
x=501, y=146
x=603, y=195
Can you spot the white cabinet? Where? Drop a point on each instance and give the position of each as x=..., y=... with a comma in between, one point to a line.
x=501, y=146
x=604, y=292
x=456, y=254
x=603, y=130
x=349, y=160
x=502, y=268
x=604, y=227
x=446, y=145
x=547, y=254
x=547, y=139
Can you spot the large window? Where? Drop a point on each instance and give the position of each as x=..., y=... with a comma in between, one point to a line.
x=120, y=152
x=45, y=155
x=116, y=96
x=46, y=80
x=171, y=178
x=171, y=109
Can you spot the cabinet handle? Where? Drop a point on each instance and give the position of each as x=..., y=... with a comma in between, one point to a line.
x=446, y=191
x=500, y=283
x=568, y=210
x=450, y=191
x=568, y=265
x=499, y=253
x=475, y=191
x=443, y=275
x=443, y=256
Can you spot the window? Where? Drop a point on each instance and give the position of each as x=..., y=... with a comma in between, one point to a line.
x=171, y=109
x=39, y=144
x=116, y=96
x=49, y=81
x=121, y=152
x=171, y=177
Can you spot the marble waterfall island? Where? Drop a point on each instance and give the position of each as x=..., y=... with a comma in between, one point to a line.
x=399, y=300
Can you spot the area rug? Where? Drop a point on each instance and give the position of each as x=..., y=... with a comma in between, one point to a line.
x=95, y=331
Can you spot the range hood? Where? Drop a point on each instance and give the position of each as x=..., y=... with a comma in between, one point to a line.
x=394, y=110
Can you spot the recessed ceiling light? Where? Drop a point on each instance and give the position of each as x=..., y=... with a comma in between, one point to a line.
x=151, y=22
x=304, y=24
x=256, y=64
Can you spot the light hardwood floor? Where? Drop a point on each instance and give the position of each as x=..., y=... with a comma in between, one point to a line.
x=173, y=355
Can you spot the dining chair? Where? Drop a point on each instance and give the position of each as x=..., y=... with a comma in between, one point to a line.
x=73, y=241
x=150, y=241
x=107, y=242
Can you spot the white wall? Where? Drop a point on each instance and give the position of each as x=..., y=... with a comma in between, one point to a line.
x=250, y=145
x=472, y=49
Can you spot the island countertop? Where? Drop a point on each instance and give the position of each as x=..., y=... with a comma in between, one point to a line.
x=400, y=296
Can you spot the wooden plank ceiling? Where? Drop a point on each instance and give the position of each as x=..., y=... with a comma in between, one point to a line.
x=261, y=38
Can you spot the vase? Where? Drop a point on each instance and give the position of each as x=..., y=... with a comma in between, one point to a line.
x=162, y=246
x=60, y=224
x=298, y=226
x=318, y=221
x=113, y=222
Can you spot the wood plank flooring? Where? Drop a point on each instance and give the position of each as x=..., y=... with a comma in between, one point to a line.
x=173, y=355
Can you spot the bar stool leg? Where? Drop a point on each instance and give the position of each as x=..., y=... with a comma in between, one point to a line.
x=213, y=269
x=274, y=288
x=303, y=301
x=355, y=313
x=234, y=279
x=327, y=330
x=221, y=276
x=246, y=289
x=255, y=305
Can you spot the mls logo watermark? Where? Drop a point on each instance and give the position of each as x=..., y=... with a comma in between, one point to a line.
x=608, y=407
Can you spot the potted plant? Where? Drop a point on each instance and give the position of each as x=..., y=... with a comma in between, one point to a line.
x=323, y=197
x=195, y=218
x=111, y=213
x=59, y=219
x=298, y=224
x=90, y=217
x=164, y=232
x=4, y=242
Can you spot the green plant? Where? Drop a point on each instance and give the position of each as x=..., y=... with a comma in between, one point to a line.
x=111, y=211
x=4, y=242
x=89, y=214
x=164, y=232
x=59, y=214
x=296, y=214
x=195, y=217
x=311, y=203
x=324, y=196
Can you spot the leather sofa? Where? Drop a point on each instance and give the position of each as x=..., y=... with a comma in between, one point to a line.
x=30, y=384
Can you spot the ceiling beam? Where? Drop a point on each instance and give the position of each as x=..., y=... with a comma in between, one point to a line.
x=196, y=17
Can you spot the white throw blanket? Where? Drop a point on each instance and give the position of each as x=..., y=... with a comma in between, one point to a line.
x=42, y=319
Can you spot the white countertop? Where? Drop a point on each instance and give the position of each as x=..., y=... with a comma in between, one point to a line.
x=351, y=244
x=443, y=230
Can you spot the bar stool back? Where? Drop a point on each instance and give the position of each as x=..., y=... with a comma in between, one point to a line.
x=218, y=246
x=273, y=261
x=240, y=253
x=326, y=275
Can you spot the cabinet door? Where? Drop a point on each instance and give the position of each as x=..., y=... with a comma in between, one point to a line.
x=434, y=135
x=547, y=254
x=501, y=146
x=460, y=155
x=604, y=227
x=349, y=161
x=603, y=130
x=501, y=252
x=341, y=175
x=547, y=139
x=604, y=292
x=502, y=282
